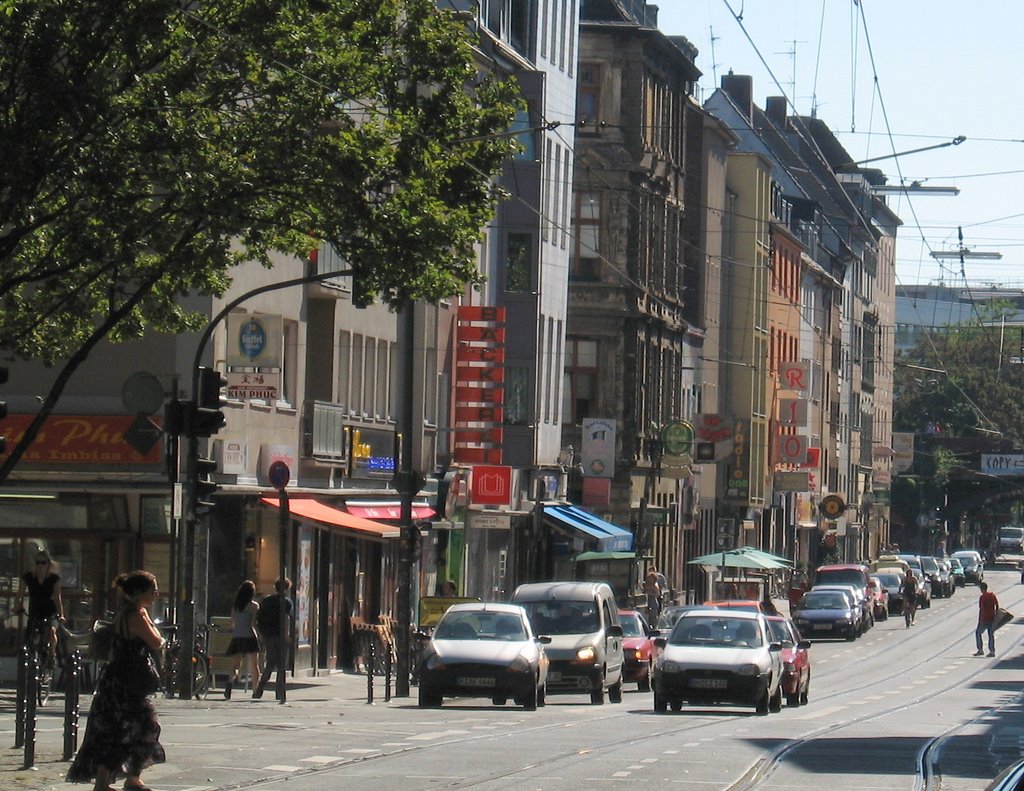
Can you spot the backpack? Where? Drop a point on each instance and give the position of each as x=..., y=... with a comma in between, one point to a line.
x=268, y=617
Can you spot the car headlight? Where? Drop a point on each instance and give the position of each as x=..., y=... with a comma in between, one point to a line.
x=586, y=654
x=520, y=665
x=669, y=667
x=638, y=654
x=748, y=670
x=435, y=663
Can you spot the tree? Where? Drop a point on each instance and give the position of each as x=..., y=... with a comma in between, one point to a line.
x=150, y=145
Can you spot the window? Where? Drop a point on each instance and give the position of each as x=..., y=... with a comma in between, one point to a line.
x=581, y=380
x=517, y=395
x=369, y=377
x=383, y=368
x=556, y=195
x=588, y=106
x=289, y=356
x=585, y=264
x=518, y=264
x=356, y=376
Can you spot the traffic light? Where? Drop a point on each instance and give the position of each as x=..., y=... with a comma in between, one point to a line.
x=4, y=373
x=205, y=487
x=205, y=418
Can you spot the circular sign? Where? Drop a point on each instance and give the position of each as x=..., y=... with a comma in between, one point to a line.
x=252, y=339
x=832, y=506
x=142, y=393
x=279, y=474
x=677, y=438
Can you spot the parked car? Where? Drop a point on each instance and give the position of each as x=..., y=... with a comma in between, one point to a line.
x=723, y=656
x=891, y=583
x=890, y=563
x=924, y=590
x=946, y=577
x=1011, y=539
x=879, y=598
x=483, y=649
x=974, y=565
x=1010, y=779
x=864, y=607
x=796, y=660
x=827, y=613
x=957, y=570
x=930, y=567
x=637, y=649
x=582, y=620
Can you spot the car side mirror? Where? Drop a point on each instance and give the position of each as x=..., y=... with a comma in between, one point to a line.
x=804, y=645
x=421, y=635
x=661, y=642
x=543, y=639
x=613, y=631
x=653, y=632
x=775, y=647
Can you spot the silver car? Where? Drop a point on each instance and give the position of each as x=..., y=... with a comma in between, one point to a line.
x=724, y=656
x=482, y=649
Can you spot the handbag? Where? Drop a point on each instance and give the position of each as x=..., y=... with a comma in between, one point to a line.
x=1002, y=618
x=135, y=666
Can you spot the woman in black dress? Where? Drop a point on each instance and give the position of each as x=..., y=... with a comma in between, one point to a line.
x=123, y=732
x=45, y=607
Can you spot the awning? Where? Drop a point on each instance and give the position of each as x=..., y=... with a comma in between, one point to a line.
x=392, y=509
x=315, y=511
x=609, y=537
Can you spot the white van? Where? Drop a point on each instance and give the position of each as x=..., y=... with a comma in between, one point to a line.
x=1011, y=539
x=582, y=620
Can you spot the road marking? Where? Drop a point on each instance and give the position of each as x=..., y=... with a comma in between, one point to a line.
x=820, y=713
x=324, y=759
x=676, y=752
x=688, y=744
x=621, y=774
x=649, y=761
x=875, y=697
x=361, y=750
x=395, y=744
x=427, y=737
x=281, y=768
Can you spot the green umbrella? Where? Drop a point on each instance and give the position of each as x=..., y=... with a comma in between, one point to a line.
x=760, y=553
x=742, y=558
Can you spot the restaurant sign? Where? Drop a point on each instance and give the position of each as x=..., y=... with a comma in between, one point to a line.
x=93, y=440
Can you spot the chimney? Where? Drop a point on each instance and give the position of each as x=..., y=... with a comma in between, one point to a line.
x=740, y=88
x=775, y=108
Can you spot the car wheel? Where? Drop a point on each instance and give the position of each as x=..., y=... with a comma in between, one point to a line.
x=851, y=635
x=530, y=700
x=660, y=704
x=597, y=696
x=676, y=704
x=644, y=684
x=428, y=700
x=542, y=695
x=763, y=704
x=775, y=702
x=497, y=700
x=792, y=701
x=615, y=692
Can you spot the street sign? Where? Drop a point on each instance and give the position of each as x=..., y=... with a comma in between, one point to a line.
x=143, y=434
x=832, y=506
x=278, y=474
x=677, y=438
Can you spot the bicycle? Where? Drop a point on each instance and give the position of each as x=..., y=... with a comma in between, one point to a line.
x=202, y=675
x=37, y=640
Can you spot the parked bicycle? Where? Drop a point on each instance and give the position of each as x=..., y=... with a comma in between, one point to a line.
x=202, y=673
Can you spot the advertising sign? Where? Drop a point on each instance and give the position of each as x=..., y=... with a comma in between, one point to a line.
x=795, y=376
x=372, y=455
x=254, y=340
x=792, y=449
x=1003, y=464
x=479, y=385
x=738, y=483
x=491, y=485
x=903, y=450
x=598, y=452
x=791, y=482
x=793, y=411
x=78, y=440
x=253, y=385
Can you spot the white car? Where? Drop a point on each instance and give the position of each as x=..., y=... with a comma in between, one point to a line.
x=721, y=656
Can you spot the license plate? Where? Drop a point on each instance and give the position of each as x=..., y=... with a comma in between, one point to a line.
x=473, y=681
x=822, y=627
x=709, y=683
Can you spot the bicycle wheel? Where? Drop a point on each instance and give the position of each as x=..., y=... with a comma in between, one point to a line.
x=45, y=679
x=200, y=676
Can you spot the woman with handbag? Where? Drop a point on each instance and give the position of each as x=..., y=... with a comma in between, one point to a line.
x=123, y=732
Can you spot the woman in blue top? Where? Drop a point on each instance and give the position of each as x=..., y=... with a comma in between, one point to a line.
x=245, y=643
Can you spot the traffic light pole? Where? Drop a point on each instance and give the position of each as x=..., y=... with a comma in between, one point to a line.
x=186, y=612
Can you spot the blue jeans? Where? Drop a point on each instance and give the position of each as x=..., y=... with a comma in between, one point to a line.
x=986, y=626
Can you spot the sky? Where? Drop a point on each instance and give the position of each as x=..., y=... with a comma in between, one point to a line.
x=891, y=76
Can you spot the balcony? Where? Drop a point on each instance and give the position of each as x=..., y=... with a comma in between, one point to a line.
x=324, y=435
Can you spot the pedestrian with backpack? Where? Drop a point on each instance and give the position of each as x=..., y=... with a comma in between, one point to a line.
x=268, y=622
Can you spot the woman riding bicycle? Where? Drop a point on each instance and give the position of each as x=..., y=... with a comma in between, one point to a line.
x=45, y=607
x=908, y=589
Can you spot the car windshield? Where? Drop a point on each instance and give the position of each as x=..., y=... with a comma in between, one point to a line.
x=955, y=563
x=839, y=577
x=562, y=617
x=1013, y=533
x=716, y=631
x=632, y=626
x=479, y=625
x=780, y=632
x=929, y=564
x=890, y=580
x=824, y=601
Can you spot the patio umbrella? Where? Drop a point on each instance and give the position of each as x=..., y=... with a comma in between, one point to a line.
x=742, y=558
x=786, y=562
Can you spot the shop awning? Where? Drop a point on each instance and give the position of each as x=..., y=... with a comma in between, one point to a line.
x=392, y=509
x=315, y=511
x=609, y=537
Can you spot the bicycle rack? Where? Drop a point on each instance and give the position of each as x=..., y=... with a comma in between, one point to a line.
x=70, y=677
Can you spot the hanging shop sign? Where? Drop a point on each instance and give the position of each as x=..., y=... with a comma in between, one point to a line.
x=479, y=385
x=255, y=340
x=598, y=451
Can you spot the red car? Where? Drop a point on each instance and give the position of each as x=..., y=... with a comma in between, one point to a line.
x=637, y=649
x=796, y=660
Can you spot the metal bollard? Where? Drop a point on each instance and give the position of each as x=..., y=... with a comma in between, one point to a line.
x=31, y=699
x=22, y=693
x=72, y=666
x=387, y=673
x=369, y=671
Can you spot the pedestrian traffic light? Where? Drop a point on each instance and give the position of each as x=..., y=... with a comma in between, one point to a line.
x=205, y=418
x=205, y=487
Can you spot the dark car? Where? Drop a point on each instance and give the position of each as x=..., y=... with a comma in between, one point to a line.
x=482, y=649
x=719, y=656
x=637, y=649
x=957, y=570
x=827, y=613
x=796, y=660
x=974, y=566
x=670, y=615
x=891, y=583
x=933, y=574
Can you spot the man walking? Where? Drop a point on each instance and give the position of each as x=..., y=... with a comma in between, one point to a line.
x=268, y=621
x=987, y=606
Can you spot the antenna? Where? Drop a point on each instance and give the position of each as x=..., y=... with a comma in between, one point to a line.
x=714, y=64
x=792, y=54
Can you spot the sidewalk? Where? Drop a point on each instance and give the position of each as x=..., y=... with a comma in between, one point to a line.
x=304, y=694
